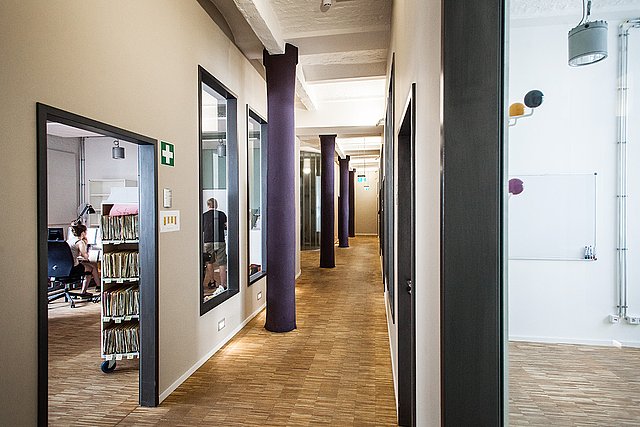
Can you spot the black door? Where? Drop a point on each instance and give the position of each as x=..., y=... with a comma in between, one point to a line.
x=406, y=267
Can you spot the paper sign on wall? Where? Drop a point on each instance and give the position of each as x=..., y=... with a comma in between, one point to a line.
x=169, y=221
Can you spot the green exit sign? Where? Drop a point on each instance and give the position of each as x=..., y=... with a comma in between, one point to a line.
x=167, y=153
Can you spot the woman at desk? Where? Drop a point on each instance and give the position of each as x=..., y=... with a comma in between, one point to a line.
x=81, y=263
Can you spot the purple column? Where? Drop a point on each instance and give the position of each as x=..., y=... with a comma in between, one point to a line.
x=343, y=206
x=281, y=238
x=352, y=204
x=327, y=220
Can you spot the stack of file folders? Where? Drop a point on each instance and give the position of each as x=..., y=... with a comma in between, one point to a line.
x=121, y=264
x=119, y=227
x=121, y=339
x=121, y=302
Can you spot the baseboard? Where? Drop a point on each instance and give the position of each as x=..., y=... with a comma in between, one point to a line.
x=555, y=340
x=393, y=367
x=213, y=351
x=366, y=234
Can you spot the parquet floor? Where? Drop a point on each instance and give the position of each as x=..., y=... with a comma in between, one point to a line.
x=573, y=385
x=79, y=393
x=334, y=370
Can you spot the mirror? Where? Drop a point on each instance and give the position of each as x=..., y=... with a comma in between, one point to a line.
x=218, y=193
x=256, y=183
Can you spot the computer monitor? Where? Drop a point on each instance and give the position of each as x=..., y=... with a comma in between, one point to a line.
x=56, y=234
x=93, y=235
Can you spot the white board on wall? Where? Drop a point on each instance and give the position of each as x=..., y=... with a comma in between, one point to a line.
x=553, y=218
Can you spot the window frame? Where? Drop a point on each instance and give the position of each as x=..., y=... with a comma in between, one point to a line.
x=264, y=137
x=233, y=226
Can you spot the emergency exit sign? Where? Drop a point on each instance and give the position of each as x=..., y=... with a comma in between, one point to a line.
x=167, y=153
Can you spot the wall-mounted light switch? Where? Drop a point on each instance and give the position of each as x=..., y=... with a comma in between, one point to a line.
x=259, y=295
x=221, y=324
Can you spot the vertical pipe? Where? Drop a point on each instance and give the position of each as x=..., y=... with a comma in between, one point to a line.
x=281, y=234
x=327, y=252
x=343, y=206
x=622, y=249
x=352, y=204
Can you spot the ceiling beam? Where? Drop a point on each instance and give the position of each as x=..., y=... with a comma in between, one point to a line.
x=264, y=22
x=303, y=92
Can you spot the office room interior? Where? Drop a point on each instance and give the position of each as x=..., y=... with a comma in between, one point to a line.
x=566, y=228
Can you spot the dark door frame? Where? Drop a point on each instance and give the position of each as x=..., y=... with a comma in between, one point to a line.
x=473, y=212
x=148, y=185
x=406, y=264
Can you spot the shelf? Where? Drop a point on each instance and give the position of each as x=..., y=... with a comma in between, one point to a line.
x=120, y=319
x=107, y=280
x=120, y=356
x=119, y=242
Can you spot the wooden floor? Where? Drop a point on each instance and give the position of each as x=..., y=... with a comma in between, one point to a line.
x=573, y=385
x=334, y=370
x=79, y=393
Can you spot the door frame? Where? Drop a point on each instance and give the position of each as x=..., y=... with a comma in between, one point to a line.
x=148, y=171
x=473, y=203
x=406, y=316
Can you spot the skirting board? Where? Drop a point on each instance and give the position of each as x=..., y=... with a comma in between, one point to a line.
x=393, y=367
x=366, y=234
x=213, y=351
x=599, y=343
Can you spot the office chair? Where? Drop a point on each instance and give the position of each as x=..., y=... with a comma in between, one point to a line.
x=60, y=263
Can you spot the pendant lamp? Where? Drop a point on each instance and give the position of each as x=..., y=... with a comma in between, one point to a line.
x=587, y=41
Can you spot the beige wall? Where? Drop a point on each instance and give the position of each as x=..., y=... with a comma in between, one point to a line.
x=367, y=204
x=416, y=42
x=132, y=65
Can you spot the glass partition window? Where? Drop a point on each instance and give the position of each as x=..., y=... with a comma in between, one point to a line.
x=256, y=191
x=218, y=166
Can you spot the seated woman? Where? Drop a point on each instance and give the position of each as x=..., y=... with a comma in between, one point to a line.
x=81, y=263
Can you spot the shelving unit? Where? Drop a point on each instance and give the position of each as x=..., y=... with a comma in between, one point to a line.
x=99, y=191
x=120, y=296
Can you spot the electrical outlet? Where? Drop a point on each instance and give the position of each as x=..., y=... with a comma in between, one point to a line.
x=221, y=324
x=633, y=320
x=259, y=296
x=614, y=319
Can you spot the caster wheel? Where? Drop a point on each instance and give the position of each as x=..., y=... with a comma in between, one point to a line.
x=108, y=366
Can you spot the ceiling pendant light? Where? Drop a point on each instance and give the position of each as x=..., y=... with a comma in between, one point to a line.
x=587, y=40
x=117, y=152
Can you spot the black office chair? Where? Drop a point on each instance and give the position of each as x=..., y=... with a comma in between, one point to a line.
x=61, y=281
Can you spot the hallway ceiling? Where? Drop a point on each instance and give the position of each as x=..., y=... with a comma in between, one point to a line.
x=342, y=57
x=568, y=11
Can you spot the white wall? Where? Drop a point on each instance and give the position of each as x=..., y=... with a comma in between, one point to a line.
x=99, y=164
x=63, y=172
x=367, y=204
x=574, y=131
x=416, y=41
x=140, y=75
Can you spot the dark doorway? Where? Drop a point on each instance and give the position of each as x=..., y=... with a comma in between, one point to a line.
x=148, y=259
x=406, y=266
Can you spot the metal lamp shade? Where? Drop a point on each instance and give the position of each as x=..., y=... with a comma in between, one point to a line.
x=117, y=152
x=588, y=43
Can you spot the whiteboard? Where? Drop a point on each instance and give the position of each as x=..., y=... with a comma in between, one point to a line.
x=553, y=218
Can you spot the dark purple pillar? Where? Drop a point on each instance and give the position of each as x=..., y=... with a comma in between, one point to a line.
x=343, y=206
x=281, y=233
x=352, y=204
x=327, y=220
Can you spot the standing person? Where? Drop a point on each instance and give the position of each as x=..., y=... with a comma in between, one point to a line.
x=81, y=263
x=214, y=223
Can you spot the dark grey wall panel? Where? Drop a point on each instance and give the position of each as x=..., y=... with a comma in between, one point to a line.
x=472, y=211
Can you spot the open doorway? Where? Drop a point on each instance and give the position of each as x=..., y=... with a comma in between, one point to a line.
x=101, y=311
x=406, y=266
